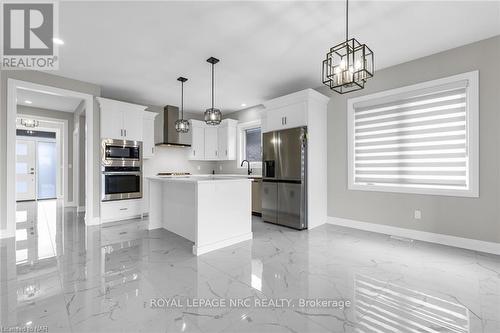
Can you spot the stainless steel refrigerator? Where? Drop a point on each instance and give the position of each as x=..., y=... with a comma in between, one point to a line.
x=284, y=177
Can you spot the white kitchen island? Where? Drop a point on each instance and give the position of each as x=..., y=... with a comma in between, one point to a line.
x=212, y=212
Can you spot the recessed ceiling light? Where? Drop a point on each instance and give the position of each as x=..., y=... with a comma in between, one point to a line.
x=58, y=41
x=28, y=102
x=243, y=104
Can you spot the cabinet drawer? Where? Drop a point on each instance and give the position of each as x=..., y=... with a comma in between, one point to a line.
x=120, y=210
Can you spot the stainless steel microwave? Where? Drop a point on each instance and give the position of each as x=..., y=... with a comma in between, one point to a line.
x=121, y=153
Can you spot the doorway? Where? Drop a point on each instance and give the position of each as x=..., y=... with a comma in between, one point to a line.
x=86, y=108
x=38, y=157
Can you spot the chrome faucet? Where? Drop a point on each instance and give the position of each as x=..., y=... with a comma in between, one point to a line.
x=249, y=171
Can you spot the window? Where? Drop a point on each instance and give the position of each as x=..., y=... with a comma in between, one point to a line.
x=250, y=143
x=417, y=139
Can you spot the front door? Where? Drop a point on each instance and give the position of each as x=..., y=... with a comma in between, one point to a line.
x=25, y=170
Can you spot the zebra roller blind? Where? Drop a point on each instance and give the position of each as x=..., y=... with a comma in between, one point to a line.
x=412, y=140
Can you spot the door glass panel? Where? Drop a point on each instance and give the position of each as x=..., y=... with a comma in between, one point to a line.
x=21, y=168
x=21, y=216
x=21, y=187
x=47, y=172
x=21, y=149
x=21, y=234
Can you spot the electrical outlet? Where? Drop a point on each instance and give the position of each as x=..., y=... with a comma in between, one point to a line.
x=417, y=215
x=199, y=167
x=220, y=167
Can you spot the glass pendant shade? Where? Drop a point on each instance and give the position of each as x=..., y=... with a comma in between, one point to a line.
x=213, y=116
x=182, y=125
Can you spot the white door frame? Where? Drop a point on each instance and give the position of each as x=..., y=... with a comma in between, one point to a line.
x=12, y=86
x=61, y=130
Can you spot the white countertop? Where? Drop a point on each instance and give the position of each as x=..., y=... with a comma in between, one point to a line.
x=200, y=178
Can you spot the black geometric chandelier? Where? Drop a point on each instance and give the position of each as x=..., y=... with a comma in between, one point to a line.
x=348, y=65
x=213, y=116
x=182, y=125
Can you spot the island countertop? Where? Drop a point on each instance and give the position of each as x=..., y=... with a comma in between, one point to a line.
x=198, y=178
x=211, y=211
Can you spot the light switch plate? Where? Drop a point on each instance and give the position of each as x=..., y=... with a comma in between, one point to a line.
x=417, y=214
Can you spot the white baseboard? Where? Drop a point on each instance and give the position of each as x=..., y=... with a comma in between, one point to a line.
x=198, y=250
x=465, y=243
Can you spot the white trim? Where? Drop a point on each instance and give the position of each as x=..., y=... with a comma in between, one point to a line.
x=473, y=137
x=61, y=172
x=465, y=243
x=199, y=250
x=12, y=86
x=241, y=142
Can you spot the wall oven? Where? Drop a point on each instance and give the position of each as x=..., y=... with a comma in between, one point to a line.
x=121, y=170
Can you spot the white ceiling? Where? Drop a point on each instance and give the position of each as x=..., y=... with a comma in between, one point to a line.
x=136, y=50
x=45, y=100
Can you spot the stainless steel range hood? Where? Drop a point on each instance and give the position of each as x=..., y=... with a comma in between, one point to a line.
x=165, y=133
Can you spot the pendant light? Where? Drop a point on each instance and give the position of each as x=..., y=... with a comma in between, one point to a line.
x=213, y=116
x=182, y=125
x=349, y=64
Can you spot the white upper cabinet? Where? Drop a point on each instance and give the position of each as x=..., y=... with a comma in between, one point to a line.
x=111, y=123
x=290, y=111
x=227, y=140
x=213, y=143
x=121, y=120
x=132, y=124
x=197, y=132
x=148, y=129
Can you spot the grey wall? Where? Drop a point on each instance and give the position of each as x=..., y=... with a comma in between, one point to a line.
x=476, y=218
x=250, y=114
x=50, y=80
x=57, y=115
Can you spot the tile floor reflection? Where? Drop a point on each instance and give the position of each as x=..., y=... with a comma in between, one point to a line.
x=73, y=278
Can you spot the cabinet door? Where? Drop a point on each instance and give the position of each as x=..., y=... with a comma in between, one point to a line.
x=111, y=123
x=274, y=120
x=289, y=116
x=222, y=137
x=295, y=115
x=197, y=152
x=132, y=124
x=211, y=143
x=148, y=144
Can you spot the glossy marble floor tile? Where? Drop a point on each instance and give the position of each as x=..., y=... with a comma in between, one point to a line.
x=120, y=277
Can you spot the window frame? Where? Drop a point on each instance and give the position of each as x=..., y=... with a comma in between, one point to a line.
x=472, y=123
x=242, y=127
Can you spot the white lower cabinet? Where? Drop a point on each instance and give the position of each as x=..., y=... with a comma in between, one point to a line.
x=120, y=210
x=213, y=143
